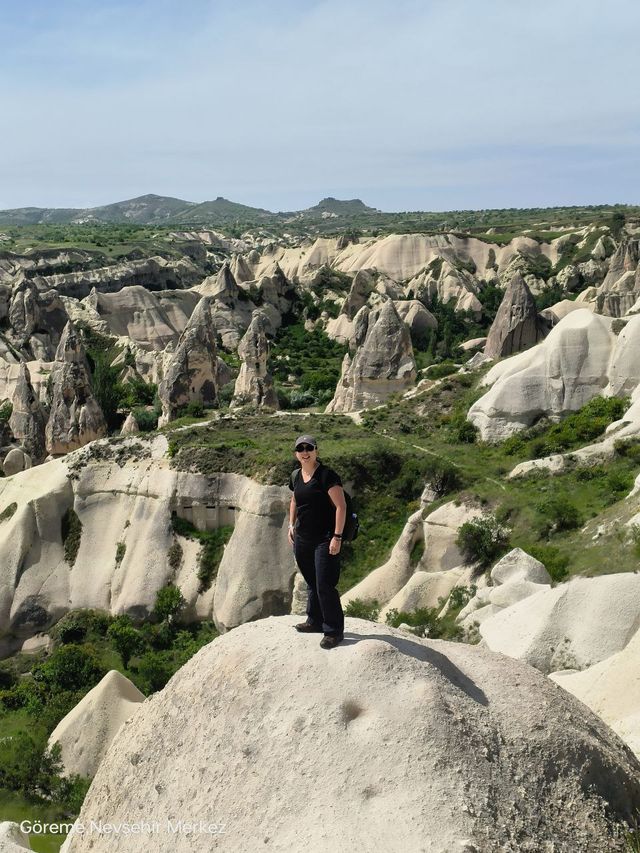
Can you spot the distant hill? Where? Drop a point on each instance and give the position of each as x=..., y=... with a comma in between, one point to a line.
x=161, y=210
x=339, y=207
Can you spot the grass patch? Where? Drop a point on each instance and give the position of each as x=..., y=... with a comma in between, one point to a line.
x=213, y=542
x=71, y=533
x=8, y=512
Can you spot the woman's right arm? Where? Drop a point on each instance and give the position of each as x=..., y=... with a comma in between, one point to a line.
x=292, y=519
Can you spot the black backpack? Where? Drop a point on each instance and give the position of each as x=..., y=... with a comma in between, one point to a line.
x=351, y=523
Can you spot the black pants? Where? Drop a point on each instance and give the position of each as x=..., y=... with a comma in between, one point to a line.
x=321, y=570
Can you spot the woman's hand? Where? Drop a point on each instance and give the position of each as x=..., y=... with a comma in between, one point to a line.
x=334, y=545
x=291, y=535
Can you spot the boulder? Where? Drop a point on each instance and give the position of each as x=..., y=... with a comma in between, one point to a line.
x=572, y=626
x=27, y=420
x=130, y=425
x=86, y=732
x=516, y=576
x=517, y=565
x=15, y=461
x=75, y=417
x=12, y=838
x=381, y=366
x=192, y=370
x=516, y=326
x=503, y=760
x=611, y=689
x=254, y=385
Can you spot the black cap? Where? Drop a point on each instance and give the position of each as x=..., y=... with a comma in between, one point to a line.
x=306, y=439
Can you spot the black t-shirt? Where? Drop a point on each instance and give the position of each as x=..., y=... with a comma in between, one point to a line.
x=315, y=510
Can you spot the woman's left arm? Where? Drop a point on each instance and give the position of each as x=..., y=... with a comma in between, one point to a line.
x=336, y=496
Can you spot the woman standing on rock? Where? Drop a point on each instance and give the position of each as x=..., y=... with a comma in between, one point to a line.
x=317, y=515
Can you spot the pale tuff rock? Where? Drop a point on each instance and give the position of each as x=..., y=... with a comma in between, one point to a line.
x=137, y=498
x=621, y=287
x=572, y=626
x=12, y=838
x=424, y=589
x=516, y=326
x=516, y=576
x=86, y=732
x=27, y=419
x=382, y=366
x=192, y=370
x=555, y=377
x=521, y=264
x=517, y=565
x=254, y=385
x=36, y=318
x=326, y=717
x=473, y=344
x=604, y=248
x=75, y=417
x=152, y=320
x=416, y=316
x=360, y=326
x=394, y=580
x=276, y=291
x=611, y=689
x=15, y=461
x=582, y=357
x=362, y=286
x=154, y=273
x=560, y=310
x=130, y=425
x=446, y=282
x=440, y=533
x=231, y=309
x=387, y=580
x=240, y=269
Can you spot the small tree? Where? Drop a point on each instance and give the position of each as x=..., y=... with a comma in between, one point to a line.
x=482, y=540
x=169, y=603
x=127, y=640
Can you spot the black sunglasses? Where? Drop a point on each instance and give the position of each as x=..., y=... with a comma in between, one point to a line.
x=301, y=448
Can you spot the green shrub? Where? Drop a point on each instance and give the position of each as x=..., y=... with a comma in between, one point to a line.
x=174, y=556
x=363, y=609
x=461, y=595
x=137, y=393
x=6, y=410
x=146, y=419
x=71, y=533
x=557, y=513
x=482, y=540
x=628, y=449
x=127, y=640
x=77, y=625
x=211, y=554
x=69, y=667
x=424, y=622
x=556, y=563
x=121, y=550
x=169, y=603
x=8, y=512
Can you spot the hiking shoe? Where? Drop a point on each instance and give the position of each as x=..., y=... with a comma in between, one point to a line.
x=330, y=641
x=308, y=628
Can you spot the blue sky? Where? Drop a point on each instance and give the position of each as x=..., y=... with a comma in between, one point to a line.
x=433, y=105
